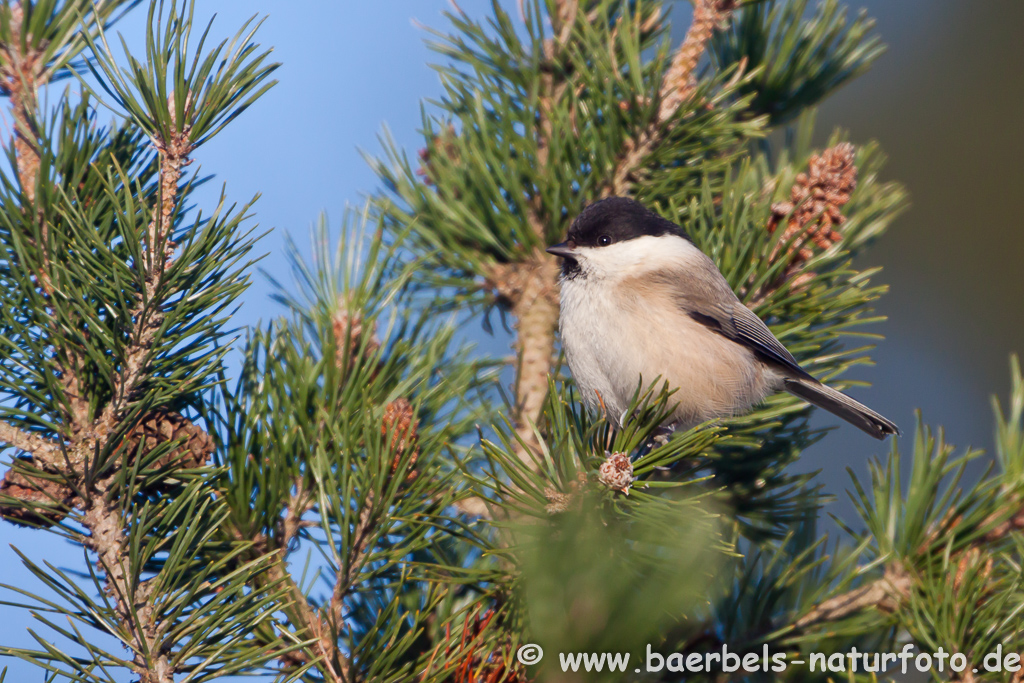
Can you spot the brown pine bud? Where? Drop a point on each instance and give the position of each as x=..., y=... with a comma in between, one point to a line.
x=348, y=336
x=563, y=501
x=442, y=145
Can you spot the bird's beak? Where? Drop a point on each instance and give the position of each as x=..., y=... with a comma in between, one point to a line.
x=564, y=249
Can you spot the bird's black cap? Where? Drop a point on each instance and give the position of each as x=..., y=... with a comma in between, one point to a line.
x=617, y=219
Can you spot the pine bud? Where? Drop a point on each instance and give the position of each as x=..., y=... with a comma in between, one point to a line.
x=398, y=427
x=563, y=501
x=348, y=336
x=442, y=145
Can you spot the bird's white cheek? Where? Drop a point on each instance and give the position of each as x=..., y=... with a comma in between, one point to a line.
x=637, y=256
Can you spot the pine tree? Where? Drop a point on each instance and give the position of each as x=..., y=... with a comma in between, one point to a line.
x=367, y=498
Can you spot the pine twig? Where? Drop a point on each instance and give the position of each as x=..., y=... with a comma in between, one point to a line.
x=886, y=593
x=131, y=604
x=21, y=75
x=320, y=626
x=45, y=450
x=303, y=617
x=889, y=592
x=174, y=156
x=679, y=80
x=346, y=577
x=677, y=86
x=299, y=503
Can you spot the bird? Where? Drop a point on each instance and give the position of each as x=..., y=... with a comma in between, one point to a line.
x=640, y=302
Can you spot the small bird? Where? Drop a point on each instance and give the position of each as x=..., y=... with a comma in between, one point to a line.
x=640, y=300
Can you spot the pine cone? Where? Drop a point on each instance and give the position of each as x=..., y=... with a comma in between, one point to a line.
x=617, y=473
x=44, y=497
x=818, y=197
x=50, y=497
x=164, y=425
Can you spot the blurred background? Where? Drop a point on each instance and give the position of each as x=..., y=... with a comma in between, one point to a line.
x=946, y=102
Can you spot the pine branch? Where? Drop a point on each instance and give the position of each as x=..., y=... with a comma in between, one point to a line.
x=343, y=423
x=535, y=305
x=308, y=624
x=138, y=354
x=962, y=534
x=361, y=537
x=536, y=312
x=102, y=517
x=174, y=150
x=131, y=603
x=890, y=592
x=24, y=69
x=800, y=50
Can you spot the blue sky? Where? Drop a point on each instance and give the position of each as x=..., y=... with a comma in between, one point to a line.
x=348, y=70
x=352, y=68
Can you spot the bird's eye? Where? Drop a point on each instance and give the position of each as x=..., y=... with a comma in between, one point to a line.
x=604, y=241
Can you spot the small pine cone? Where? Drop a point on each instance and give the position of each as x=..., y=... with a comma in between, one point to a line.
x=814, y=213
x=398, y=428
x=161, y=426
x=45, y=499
x=616, y=472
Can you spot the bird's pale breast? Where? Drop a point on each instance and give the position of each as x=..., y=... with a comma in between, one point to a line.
x=614, y=332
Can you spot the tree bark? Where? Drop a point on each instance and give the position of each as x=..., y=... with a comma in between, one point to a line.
x=536, y=314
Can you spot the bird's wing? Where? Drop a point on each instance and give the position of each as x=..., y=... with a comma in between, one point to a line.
x=744, y=327
x=708, y=299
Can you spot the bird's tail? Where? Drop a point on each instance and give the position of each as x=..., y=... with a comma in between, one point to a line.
x=843, y=406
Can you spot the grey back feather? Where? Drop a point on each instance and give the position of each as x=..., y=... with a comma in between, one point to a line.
x=704, y=295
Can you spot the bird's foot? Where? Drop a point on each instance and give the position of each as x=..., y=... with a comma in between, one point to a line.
x=659, y=437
